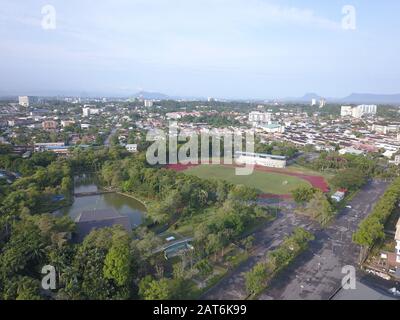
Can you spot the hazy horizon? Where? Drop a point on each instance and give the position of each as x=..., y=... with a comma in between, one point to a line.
x=232, y=49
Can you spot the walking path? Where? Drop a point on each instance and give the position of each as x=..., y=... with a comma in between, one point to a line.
x=317, y=274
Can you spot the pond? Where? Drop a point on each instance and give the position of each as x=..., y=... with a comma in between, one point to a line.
x=124, y=205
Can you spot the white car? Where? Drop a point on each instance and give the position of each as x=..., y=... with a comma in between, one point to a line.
x=349, y=207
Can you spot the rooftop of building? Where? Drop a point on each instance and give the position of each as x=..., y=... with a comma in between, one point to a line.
x=87, y=221
x=271, y=126
x=261, y=155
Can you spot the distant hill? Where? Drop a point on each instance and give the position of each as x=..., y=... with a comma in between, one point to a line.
x=306, y=98
x=151, y=95
x=352, y=98
x=310, y=96
x=372, y=98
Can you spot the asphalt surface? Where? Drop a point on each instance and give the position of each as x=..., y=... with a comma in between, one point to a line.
x=370, y=288
x=233, y=287
x=317, y=273
x=107, y=141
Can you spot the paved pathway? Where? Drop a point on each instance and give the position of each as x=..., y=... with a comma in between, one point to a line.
x=233, y=287
x=317, y=273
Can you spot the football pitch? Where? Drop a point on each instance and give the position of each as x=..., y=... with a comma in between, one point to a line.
x=264, y=182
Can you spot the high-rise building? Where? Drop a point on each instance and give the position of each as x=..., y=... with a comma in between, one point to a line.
x=368, y=108
x=364, y=109
x=86, y=112
x=23, y=101
x=313, y=102
x=359, y=111
x=148, y=103
x=346, y=111
x=322, y=103
x=257, y=118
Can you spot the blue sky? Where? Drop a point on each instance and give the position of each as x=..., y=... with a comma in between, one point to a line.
x=219, y=48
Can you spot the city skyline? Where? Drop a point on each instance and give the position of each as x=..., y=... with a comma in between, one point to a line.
x=199, y=152
x=229, y=49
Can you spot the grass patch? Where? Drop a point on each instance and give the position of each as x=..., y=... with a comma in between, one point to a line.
x=264, y=182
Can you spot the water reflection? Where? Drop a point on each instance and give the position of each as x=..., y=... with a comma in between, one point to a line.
x=122, y=204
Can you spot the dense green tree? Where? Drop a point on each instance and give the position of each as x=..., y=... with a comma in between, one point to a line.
x=21, y=288
x=243, y=193
x=320, y=209
x=276, y=260
x=150, y=289
x=204, y=267
x=350, y=179
x=117, y=264
x=23, y=251
x=303, y=194
x=371, y=229
x=255, y=278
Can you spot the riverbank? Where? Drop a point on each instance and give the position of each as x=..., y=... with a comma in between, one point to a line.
x=89, y=195
x=141, y=201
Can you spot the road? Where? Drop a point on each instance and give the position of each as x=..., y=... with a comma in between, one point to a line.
x=108, y=139
x=233, y=287
x=317, y=274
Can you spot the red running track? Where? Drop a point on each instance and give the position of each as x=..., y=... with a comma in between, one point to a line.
x=318, y=182
x=181, y=167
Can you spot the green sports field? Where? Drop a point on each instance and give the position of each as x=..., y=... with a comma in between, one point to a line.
x=264, y=182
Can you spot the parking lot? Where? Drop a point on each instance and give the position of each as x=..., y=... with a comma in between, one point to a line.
x=233, y=286
x=317, y=273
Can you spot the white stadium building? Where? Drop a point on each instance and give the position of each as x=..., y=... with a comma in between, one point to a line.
x=260, y=159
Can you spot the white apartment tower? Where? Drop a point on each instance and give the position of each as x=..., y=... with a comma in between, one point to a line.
x=257, y=118
x=148, y=103
x=368, y=108
x=23, y=101
x=346, y=111
x=86, y=111
x=364, y=109
x=359, y=111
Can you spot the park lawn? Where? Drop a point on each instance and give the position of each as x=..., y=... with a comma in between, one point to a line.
x=264, y=182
